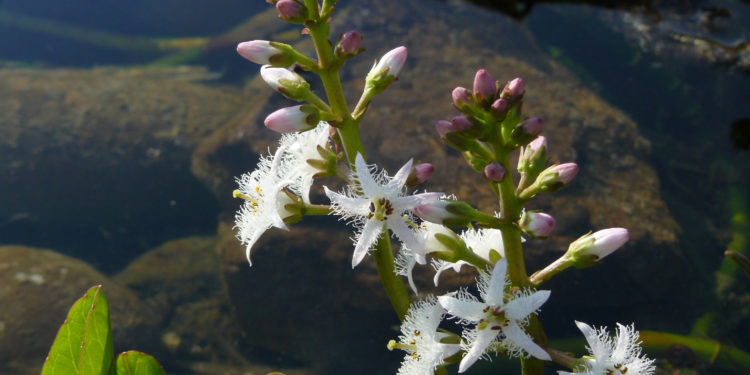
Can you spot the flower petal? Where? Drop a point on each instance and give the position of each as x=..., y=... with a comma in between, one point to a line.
x=398, y=181
x=365, y=240
x=347, y=206
x=514, y=334
x=496, y=288
x=446, y=265
x=483, y=339
x=462, y=308
x=521, y=307
x=397, y=225
x=599, y=347
x=363, y=176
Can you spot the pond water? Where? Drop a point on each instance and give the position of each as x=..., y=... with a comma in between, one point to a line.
x=123, y=125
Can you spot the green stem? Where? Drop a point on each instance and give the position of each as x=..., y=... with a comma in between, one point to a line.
x=511, y=212
x=317, y=210
x=563, y=358
x=392, y=283
x=542, y=276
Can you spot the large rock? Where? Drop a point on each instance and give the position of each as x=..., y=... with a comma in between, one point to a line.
x=38, y=287
x=77, y=146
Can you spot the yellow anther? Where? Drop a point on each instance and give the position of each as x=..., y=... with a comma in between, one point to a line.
x=257, y=190
x=238, y=194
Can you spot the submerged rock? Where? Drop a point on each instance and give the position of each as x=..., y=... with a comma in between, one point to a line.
x=37, y=289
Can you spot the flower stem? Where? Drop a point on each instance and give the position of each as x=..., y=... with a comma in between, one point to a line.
x=542, y=276
x=392, y=283
x=317, y=210
x=510, y=209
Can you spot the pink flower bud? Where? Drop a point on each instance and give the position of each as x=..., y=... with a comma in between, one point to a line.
x=349, y=43
x=566, y=172
x=532, y=126
x=484, y=87
x=538, y=143
x=293, y=119
x=447, y=212
x=461, y=97
x=257, y=51
x=285, y=81
x=444, y=127
x=606, y=241
x=494, y=172
x=419, y=174
x=500, y=105
x=394, y=61
x=537, y=224
x=461, y=123
x=292, y=11
x=514, y=89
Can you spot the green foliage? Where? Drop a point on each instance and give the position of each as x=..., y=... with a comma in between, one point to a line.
x=137, y=363
x=83, y=345
x=84, y=342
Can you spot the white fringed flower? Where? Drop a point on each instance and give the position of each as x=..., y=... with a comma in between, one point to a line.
x=408, y=257
x=479, y=241
x=301, y=147
x=500, y=318
x=264, y=203
x=375, y=203
x=421, y=340
x=616, y=356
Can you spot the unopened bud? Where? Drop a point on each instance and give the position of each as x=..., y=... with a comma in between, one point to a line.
x=286, y=82
x=484, y=88
x=386, y=70
x=291, y=11
x=461, y=123
x=533, y=157
x=265, y=53
x=551, y=179
x=500, y=105
x=293, y=119
x=514, y=89
x=444, y=127
x=527, y=130
x=592, y=248
x=461, y=98
x=494, y=172
x=447, y=212
x=349, y=44
x=537, y=224
x=419, y=174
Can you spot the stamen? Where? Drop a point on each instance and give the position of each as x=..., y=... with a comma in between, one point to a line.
x=238, y=194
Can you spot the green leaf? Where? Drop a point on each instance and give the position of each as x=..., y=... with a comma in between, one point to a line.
x=83, y=345
x=137, y=363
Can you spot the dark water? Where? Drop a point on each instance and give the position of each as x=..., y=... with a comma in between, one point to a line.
x=694, y=111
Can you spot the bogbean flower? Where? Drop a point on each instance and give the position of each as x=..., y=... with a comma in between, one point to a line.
x=376, y=202
x=300, y=149
x=499, y=319
x=486, y=243
x=613, y=356
x=408, y=257
x=421, y=340
x=264, y=205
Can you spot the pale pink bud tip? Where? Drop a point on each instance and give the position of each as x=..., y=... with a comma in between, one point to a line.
x=606, y=241
x=566, y=172
x=444, y=127
x=350, y=42
x=420, y=173
x=461, y=123
x=484, y=86
x=461, y=96
x=257, y=51
x=538, y=224
x=538, y=143
x=500, y=105
x=394, y=60
x=532, y=126
x=291, y=10
x=515, y=88
x=293, y=119
x=494, y=172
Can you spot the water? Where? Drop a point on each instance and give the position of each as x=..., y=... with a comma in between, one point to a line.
x=117, y=176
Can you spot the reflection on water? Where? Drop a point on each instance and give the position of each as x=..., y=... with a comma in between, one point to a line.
x=107, y=164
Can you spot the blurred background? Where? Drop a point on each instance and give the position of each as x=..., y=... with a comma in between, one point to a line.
x=124, y=124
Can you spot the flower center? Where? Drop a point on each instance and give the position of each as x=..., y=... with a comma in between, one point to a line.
x=617, y=369
x=494, y=319
x=380, y=209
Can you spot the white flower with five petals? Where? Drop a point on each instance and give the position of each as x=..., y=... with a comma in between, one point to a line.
x=500, y=318
x=301, y=147
x=264, y=203
x=421, y=340
x=613, y=356
x=376, y=202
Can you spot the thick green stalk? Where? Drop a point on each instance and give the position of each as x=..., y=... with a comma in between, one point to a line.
x=348, y=129
x=393, y=284
x=510, y=209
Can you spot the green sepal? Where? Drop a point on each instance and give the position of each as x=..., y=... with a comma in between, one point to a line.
x=83, y=345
